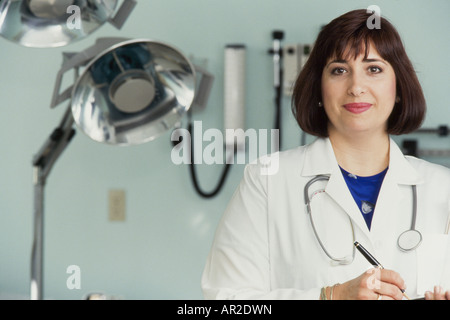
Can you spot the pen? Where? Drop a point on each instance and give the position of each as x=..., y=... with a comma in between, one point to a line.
x=373, y=261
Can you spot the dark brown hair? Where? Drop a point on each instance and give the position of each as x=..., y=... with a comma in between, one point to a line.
x=346, y=35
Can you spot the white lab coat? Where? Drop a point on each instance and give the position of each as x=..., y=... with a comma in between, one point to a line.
x=265, y=248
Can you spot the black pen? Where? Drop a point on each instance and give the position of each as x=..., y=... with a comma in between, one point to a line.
x=373, y=261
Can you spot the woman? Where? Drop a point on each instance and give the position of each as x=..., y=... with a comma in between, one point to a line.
x=357, y=88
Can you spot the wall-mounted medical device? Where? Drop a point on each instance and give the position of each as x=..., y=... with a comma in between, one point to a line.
x=234, y=116
x=411, y=146
x=55, y=23
x=288, y=60
x=234, y=94
x=294, y=58
x=277, y=55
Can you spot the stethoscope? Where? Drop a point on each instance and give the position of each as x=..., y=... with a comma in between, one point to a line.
x=407, y=241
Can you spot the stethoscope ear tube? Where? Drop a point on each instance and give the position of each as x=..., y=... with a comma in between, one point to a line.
x=308, y=184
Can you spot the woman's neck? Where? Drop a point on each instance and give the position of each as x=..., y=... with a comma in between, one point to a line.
x=361, y=154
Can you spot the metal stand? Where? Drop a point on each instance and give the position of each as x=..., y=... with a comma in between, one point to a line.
x=43, y=162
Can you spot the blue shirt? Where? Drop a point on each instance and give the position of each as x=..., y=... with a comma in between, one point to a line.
x=365, y=191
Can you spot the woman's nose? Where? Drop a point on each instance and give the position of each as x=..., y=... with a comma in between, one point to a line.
x=356, y=87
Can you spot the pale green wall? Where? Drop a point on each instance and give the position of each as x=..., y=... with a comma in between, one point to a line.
x=159, y=252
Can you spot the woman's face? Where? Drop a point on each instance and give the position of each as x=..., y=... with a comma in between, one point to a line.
x=358, y=94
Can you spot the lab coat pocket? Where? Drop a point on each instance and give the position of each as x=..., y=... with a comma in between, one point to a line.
x=433, y=264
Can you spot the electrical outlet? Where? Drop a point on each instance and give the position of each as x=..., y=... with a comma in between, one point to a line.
x=116, y=200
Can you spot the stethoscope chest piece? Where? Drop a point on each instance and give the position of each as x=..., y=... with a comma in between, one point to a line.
x=409, y=240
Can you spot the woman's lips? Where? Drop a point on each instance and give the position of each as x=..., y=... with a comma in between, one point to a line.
x=357, y=107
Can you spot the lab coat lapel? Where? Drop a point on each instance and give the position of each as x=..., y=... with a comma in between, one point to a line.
x=400, y=172
x=338, y=190
x=387, y=206
x=320, y=159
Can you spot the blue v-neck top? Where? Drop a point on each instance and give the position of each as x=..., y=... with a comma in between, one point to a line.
x=365, y=192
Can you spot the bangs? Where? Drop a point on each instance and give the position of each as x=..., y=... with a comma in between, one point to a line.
x=347, y=49
x=354, y=38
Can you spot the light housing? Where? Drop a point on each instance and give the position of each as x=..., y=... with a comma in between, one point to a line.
x=130, y=91
x=56, y=23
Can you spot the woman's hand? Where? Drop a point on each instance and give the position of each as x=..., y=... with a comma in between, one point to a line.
x=438, y=294
x=375, y=284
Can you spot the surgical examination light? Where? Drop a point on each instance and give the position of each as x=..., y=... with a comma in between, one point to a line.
x=130, y=91
x=56, y=23
x=125, y=92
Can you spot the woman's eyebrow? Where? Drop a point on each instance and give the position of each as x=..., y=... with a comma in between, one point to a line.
x=374, y=60
x=367, y=60
x=337, y=61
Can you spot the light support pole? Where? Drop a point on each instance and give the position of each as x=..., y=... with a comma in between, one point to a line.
x=43, y=162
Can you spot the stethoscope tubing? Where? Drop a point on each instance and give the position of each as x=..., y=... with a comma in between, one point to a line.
x=343, y=260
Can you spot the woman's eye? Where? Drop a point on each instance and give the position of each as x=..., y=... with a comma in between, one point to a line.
x=375, y=69
x=338, y=71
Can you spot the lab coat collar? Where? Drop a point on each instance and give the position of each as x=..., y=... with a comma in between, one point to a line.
x=320, y=159
x=400, y=168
